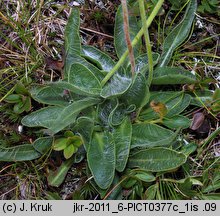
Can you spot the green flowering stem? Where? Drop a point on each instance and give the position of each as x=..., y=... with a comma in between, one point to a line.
x=134, y=42
x=127, y=35
x=147, y=40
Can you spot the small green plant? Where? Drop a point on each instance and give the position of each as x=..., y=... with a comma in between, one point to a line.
x=98, y=16
x=209, y=6
x=20, y=98
x=69, y=144
x=129, y=134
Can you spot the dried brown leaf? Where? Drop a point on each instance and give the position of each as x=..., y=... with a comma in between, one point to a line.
x=54, y=64
x=159, y=108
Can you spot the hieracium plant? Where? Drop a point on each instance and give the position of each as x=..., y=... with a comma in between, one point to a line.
x=103, y=110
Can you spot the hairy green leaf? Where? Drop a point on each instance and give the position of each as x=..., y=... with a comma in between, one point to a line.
x=72, y=37
x=122, y=138
x=176, y=122
x=141, y=63
x=70, y=92
x=172, y=75
x=138, y=94
x=150, y=135
x=83, y=79
x=44, y=117
x=202, y=97
x=117, y=115
x=73, y=58
x=57, y=118
x=56, y=178
x=175, y=102
x=84, y=126
x=119, y=34
x=151, y=192
x=101, y=59
x=117, y=194
x=43, y=144
x=105, y=109
x=178, y=35
x=189, y=148
x=52, y=94
x=24, y=152
x=117, y=86
x=101, y=158
x=145, y=176
x=69, y=114
x=157, y=159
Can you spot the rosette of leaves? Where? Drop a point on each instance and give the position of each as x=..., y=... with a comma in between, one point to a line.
x=122, y=123
x=69, y=144
x=21, y=99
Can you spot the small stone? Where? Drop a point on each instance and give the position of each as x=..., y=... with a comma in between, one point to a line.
x=20, y=129
x=74, y=3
